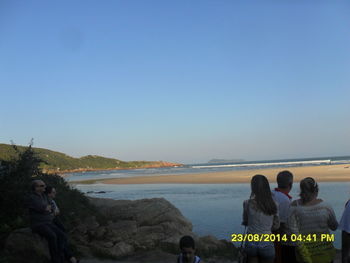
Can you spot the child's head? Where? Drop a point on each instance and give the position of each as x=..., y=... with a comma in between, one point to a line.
x=187, y=248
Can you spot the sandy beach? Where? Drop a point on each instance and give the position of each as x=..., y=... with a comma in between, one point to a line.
x=323, y=173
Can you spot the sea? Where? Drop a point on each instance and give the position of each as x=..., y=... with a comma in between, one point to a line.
x=213, y=209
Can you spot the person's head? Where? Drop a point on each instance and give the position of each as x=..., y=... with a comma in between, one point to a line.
x=38, y=186
x=261, y=193
x=308, y=189
x=187, y=248
x=50, y=191
x=285, y=180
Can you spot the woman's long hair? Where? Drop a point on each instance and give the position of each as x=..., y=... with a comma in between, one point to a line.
x=308, y=189
x=261, y=193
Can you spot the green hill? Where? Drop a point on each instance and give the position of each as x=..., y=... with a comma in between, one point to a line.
x=60, y=162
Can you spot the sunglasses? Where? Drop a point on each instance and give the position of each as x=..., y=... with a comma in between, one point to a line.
x=41, y=185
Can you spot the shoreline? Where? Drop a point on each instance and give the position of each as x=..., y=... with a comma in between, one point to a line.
x=322, y=173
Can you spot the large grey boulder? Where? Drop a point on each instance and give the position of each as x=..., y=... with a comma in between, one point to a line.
x=132, y=226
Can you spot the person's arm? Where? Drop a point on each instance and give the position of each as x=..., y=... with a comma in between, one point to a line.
x=245, y=213
x=35, y=203
x=292, y=219
x=332, y=220
x=275, y=223
x=276, y=219
x=56, y=211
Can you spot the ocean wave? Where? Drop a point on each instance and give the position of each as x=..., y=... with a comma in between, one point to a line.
x=264, y=164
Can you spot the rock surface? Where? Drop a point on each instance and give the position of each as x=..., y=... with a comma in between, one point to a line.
x=125, y=229
x=24, y=246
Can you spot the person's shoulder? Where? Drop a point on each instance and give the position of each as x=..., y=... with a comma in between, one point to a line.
x=198, y=260
x=323, y=203
x=246, y=202
x=347, y=208
x=279, y=196
x=324, y=206
x=347, y=205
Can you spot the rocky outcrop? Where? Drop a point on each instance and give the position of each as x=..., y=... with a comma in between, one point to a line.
x=122, y=229
x=132, y=226
x=24, y=246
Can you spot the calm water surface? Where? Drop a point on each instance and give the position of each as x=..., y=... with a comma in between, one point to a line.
x=213, y=209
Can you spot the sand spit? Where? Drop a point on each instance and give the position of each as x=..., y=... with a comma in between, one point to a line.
x=323, y=173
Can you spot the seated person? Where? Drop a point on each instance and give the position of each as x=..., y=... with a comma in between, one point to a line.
x=51, y=194
x=41, y=221
x=188, y=250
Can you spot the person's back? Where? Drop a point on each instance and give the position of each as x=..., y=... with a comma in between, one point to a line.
x=285, y=251
x=310, y=218
x=260, y=215
x=258, y=222
x=315, y=218
x=281, y=195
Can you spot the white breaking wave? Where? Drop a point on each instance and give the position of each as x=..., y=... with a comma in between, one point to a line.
x=263, y=164
x=341, y=161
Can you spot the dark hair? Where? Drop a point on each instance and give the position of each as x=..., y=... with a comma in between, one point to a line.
x=284, y=179
x=308, y=189
x=49, y=189
x=261, y=193
x=187, y=241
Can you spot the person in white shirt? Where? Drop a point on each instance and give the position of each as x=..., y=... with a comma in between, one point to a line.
x=344, y=226
x=284, y=250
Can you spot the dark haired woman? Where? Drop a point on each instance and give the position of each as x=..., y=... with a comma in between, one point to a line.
x=260, y=215
x=311, y=217
x=51, y=194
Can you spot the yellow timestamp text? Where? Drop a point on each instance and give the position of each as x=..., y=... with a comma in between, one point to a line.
x=282, y=237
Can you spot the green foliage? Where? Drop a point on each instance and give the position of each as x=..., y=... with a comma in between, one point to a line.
x=52, y=161
x=15, y=184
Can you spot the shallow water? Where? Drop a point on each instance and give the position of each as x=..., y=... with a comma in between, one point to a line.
x=213, y=209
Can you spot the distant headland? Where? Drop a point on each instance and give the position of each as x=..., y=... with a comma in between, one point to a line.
x=57, y=162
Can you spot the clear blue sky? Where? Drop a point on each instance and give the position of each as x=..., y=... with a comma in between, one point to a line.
x=183, y=81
